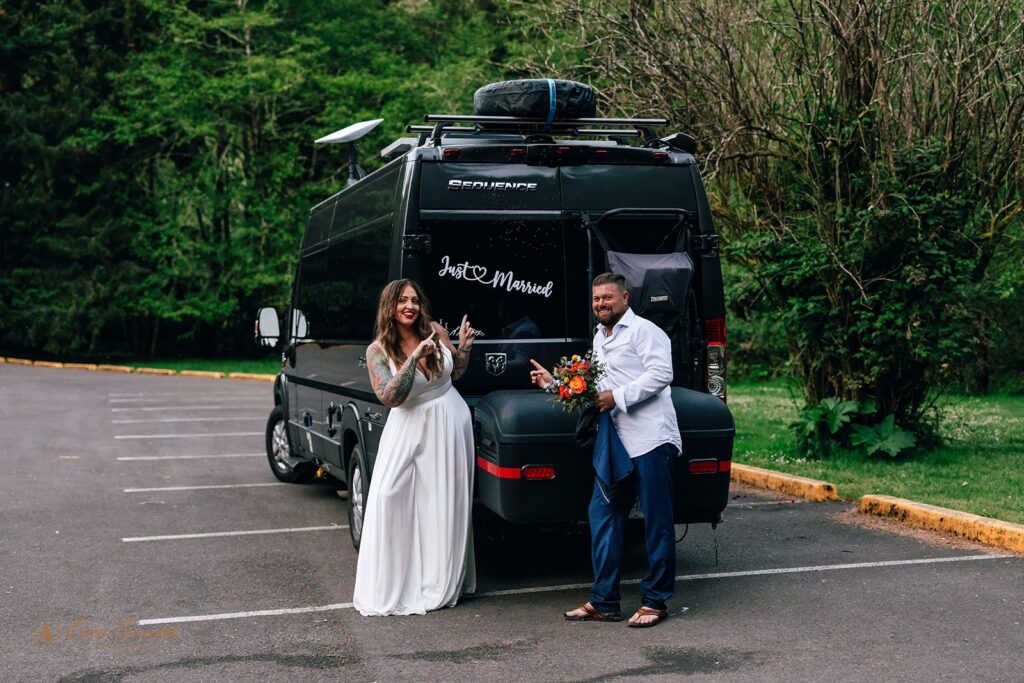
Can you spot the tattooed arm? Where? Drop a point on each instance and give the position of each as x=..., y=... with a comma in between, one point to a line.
x=392, y=388
x=461, y=356
x=461, y=362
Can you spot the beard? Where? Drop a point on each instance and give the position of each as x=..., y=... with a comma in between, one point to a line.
x=609, y=318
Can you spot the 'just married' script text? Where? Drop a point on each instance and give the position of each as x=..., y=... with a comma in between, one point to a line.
x=497, y=278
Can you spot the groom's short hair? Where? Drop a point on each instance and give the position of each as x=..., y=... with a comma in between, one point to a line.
x=610, y=279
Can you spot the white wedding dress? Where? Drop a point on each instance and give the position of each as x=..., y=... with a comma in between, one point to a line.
x=416, y=552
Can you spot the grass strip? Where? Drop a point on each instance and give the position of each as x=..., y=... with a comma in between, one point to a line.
x=268, y=366
x=979, y=470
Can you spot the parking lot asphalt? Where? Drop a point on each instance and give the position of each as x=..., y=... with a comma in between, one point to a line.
x=120, y=563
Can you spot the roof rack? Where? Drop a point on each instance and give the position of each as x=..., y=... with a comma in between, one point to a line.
x=524, y=125
x=598, y=132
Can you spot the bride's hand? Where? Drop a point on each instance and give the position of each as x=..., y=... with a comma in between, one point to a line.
x=426, y=347
x=466, y=333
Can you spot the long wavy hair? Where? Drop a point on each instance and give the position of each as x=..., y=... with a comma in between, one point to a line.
x=385, y=329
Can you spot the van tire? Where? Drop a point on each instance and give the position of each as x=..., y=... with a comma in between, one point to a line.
x=279, y=453
x=358, y=487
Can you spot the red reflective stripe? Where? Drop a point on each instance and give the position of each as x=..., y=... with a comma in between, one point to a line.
x=500, y=472
x=724, y=465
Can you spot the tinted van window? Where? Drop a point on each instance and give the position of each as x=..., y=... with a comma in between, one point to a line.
x=358, y=263
x=508, y=275
x=339, y=286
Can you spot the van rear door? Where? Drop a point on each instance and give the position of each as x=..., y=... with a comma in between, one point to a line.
x=498, y=252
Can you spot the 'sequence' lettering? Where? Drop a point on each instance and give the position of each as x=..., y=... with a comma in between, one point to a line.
x=499, y=186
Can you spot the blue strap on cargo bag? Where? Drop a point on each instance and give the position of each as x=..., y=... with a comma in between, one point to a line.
x=552, y=101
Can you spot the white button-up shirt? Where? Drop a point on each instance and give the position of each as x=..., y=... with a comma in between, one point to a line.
x=638, y=361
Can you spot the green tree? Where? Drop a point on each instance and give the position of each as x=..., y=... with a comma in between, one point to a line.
x=864, y=161
x=161, y=161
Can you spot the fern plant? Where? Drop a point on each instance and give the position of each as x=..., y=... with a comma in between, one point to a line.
x=884, y=437
x=835, y=427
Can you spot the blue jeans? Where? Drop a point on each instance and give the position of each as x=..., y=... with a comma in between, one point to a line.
x=651, y=482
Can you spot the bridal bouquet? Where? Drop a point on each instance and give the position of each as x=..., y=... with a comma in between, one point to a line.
x=576, y=380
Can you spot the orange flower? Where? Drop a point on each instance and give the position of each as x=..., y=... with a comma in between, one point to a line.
x=578, y=385
x=563, y=392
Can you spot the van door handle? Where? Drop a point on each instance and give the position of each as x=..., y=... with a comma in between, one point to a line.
x=331, y=410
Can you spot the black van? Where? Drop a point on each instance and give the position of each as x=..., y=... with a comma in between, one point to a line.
x=507, y=219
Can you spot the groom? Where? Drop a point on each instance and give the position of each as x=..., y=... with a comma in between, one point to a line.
x=635, y=390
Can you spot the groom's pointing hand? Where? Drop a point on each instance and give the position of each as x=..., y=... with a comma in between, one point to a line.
x=539, y=376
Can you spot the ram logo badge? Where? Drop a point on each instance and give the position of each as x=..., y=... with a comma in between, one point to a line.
x=495, y=363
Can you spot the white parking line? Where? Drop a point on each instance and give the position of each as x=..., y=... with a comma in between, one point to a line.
x=172, y=394
x=184, y=436
x=242, y=615
x=197, y=397
x=223, y=406
x=580, y=586
x=218, y=534
x=186, y=419
x=192, y=457
x=205, y=486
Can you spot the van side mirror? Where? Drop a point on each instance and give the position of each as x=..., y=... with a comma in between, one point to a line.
x=268, y=327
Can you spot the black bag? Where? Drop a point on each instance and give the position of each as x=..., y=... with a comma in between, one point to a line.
x=532, y=98
x=659, y=289
x=586, y=426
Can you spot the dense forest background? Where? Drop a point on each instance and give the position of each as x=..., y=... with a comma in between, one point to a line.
x=863, y=160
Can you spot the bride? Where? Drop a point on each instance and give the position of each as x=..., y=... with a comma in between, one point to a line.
x=416, y=552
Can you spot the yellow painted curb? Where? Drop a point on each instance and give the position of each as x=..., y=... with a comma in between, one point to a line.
x=2, y=360
x=19, y=361
x=81, y=366
x=46, y=364
x=974, y=527
x=201, y=373
x=252, y=376
x=155, y=371
x=115, y=368
x=790, y=484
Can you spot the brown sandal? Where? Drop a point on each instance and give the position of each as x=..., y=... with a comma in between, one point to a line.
x=661, y=615
x=590, y=613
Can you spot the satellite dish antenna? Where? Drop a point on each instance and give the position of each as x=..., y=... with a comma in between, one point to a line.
x=350, y=135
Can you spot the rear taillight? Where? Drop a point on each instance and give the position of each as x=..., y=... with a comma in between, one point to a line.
x=451, y=153
x=703, y=467
x=538, y=472
x=710, y=466
x=714, y=333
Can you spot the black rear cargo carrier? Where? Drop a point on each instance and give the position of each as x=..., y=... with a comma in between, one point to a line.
x=531, y=470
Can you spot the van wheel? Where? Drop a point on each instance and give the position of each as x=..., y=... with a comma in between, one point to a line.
x=279, y=453
x=358, y=486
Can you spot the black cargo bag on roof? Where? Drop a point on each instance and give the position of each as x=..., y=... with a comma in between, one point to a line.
x=532, y=98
